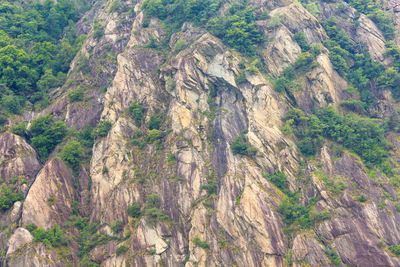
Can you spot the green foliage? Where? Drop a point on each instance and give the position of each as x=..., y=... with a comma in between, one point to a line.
x=305, y=62
x=136, y=111
x=12, y=103
x=300, y=38
x=116, y=227
x=238, y=28
x=171, y=84
x=53, y=237
x=8, y=196
x=102, y=129
x=363, y=136
x=395, y=249
x=279, y=179
x=333, y=256
x=154, y=136
x=354, y=105
x=45, y=134
x=152, y=212
x=241, y=77
x=72, y=154
x=98, y=30
x=179, y=46
x=198, y=243
x=37, y=43
x=134, y=210
x=393, y=122
x=155, y=121
x=285, y=82
x=76, y=95
x=121, y=250
x=241, y=146
x=89, y=238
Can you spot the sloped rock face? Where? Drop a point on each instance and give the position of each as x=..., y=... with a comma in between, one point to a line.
x=216, y=208
x=17, y=158
x=49, y=201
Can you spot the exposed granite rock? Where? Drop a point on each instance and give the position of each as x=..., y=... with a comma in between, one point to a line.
x=296, y=18
x=281, y=52
x=17, y=158
x=50, y=197
x=20, y=237
x=368, y=33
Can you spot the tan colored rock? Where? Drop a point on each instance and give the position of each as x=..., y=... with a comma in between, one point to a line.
x=49, y=201
x=281, y=52
x=307, y=249
x=20, y=237
x=368, y=33
x=296, y=18
x=17, y=158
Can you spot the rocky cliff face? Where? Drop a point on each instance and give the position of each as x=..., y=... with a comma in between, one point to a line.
x=215, y=208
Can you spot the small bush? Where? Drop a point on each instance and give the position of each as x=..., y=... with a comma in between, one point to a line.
x=53, y=237
x=8, y=196
x=116, y=227
x=395, y=249
x=45, y=134
x=72, y=154
x=20, y=129
x=102, y=129
x=241, y=77
x=305, y=62
x=180, y=45
x=75, y=95
x=240, y=146
x=134, y=210
x=154, y=136
x=171, y=84
x=136, y=111
x=300, y=38
x=198, y=243
x=362, y=198
x=155, y=121
x=121, y=250
x=98, y=30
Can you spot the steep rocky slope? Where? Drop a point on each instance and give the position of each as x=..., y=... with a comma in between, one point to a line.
x=209, y=206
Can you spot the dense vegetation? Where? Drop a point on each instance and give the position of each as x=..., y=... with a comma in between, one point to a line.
x=37, y=43
x=360, y=135
x=237, y=28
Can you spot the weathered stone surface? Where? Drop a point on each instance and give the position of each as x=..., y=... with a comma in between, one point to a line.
x=20, y=237
x=49, y=201
x=17, y=158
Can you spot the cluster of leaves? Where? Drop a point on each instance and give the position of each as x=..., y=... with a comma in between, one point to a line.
x=176, y=12
x=134, y=210
x=295, y=214
x=201, y=244
x=395, y=249
x=8, y=196
x=89, y=238
x=333, y=256
x=53, y=237
x=237, y=28
x=362, y=136
x=44, y=134
x=37, y=43
x=241, y=146
x=152, y=210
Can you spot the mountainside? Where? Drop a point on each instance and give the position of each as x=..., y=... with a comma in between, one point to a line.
x=200, y=133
